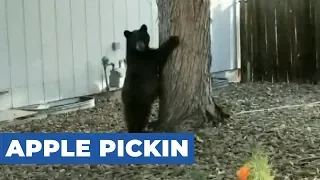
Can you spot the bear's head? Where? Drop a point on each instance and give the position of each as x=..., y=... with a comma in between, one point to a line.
x=138, y=39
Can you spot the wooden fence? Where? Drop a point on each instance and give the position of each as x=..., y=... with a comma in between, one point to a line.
x=280, y=40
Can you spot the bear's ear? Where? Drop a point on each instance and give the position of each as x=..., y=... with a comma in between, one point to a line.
x=143, y=27
x=127, y=33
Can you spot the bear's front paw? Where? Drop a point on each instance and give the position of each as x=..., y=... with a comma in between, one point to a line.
x=175, y=40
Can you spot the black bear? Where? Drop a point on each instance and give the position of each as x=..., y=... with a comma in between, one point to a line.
x=142, y=85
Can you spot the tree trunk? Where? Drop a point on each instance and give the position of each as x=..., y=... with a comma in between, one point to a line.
x=186, y=84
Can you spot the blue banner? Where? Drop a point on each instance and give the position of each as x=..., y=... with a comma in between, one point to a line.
x=96, y=148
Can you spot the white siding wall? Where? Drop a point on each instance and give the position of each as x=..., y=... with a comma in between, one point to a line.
x=52, y=49
x=225, y=37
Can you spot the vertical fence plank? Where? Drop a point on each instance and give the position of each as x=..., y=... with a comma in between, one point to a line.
x=293, y=41
x=262, y=53
x=309, y=41
x=283, y=39
x=256, y=62
x=276, y=60
x=316, y=3
x=250, y=12
x=301, y=34
x=271, y=39
x=290, y=26
x=253, y=37
x=243, y=40
x=298, y=13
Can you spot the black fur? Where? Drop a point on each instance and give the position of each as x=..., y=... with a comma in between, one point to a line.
x=141, y=86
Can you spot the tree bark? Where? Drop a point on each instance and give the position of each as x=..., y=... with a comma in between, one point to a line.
x=186, y=83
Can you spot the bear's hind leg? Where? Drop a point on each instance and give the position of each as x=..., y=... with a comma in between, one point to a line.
x=130, y=117
x=137, y=117
x=143, y=117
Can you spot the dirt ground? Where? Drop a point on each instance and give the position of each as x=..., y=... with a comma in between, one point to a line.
x=291, y=137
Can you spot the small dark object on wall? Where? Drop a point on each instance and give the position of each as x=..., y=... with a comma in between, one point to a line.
x=115, y=46
x=3, y=92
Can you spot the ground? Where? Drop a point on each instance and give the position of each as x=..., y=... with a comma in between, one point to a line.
x=291, y=137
